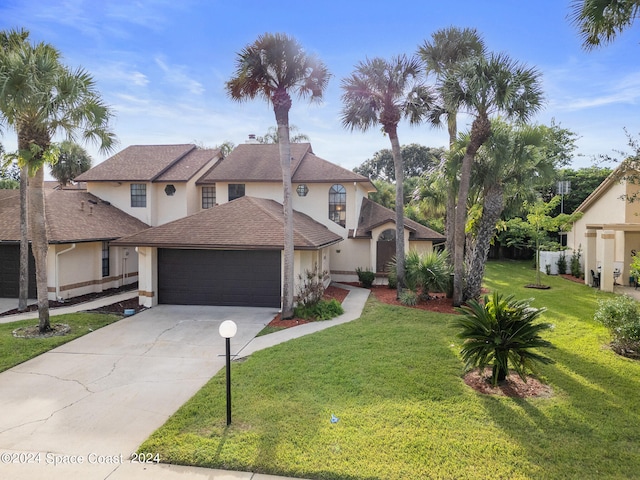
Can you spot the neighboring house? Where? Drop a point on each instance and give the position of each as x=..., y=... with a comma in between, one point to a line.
x=216, y=233
x=608, y=232
x=80, y=258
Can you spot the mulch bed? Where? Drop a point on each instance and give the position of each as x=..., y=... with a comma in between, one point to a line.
x=437, y=302
x=117, y=307
x=330, y=292
x=513, y=386
x=572, y=278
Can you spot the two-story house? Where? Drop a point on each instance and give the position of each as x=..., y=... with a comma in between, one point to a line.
x=216, y=224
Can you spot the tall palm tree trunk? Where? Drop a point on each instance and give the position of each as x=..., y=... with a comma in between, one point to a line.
x=399, y=169
x=450, y=211
x=491, y=210
x=40, y=245
x=23, y=287
x=281, y=107
x=480, y=132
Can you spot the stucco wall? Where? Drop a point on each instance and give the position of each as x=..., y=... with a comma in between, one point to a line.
x=168, y=207
x=77, y=270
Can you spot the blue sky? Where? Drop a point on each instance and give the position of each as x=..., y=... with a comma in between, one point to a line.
x=162, y=65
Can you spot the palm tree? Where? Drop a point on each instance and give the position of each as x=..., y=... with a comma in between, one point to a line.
x=382, y=92
x=600, y=21
x=500, y=331
x=448, y=48
x=72, y=161
x=39, y=98
x=272, y=67
x=510, y=166
x=485, y=86
x=11, y=40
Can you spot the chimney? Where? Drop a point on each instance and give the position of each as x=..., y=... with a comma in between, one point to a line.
x=252, y=138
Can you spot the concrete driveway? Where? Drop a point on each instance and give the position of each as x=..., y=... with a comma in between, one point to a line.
x=97, y=398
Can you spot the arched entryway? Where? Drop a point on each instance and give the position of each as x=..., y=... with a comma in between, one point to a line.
x=385, y=249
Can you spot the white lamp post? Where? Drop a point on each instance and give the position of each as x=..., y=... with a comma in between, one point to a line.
x=227, y=330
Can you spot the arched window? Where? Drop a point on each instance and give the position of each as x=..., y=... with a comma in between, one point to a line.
x=338, y=204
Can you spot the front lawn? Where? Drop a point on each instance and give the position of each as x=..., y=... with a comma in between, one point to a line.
x=17, y=350
x=393, y=378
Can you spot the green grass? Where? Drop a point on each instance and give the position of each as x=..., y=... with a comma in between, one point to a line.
x=394, y=379
x=14, y=351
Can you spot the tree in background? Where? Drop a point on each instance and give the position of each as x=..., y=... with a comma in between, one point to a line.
x=485, y=86
x=382, y=92
x=39, y=98
x=72, y=161
x=272, y=67
x=417, y=160
x=272, y=136
x=600, y=21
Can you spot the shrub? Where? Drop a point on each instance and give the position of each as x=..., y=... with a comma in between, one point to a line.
x=409, y=298
x=322, y=310
x=311, y=287
x=501, y=332
x=547, y=269
x=562, y=263
x=429, y=271
x=621, y=315
x=366, y=277
x=391, y=274
x=576, y=269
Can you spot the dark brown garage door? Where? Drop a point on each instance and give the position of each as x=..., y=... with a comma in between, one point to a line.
x=219, y=277
x=10, y=272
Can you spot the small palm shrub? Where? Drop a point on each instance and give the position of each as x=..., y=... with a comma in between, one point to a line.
x=366, y=277
x=501, y=332
x=621, y=315
x=428, y=272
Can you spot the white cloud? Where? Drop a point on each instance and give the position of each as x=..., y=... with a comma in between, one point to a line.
x=176, y=75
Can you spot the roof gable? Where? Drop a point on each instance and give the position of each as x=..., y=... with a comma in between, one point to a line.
x=255, y=162
x=373, y=215
x=244, y=223
x=72, y=216
x=146, y=163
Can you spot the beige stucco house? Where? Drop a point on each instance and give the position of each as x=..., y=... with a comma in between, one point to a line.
x=210, y=229
x=609, y=231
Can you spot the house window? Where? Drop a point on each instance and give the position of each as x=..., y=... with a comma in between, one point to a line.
x=138, y=195
x=302, y=190
x=236, y=190
x=338, y=204
x=208, y=197
x=105, y=259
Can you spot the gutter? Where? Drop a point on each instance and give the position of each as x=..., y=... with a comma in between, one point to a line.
x=58, y=269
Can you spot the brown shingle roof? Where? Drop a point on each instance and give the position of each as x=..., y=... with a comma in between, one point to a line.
x=146, y=163
x=246, y=223
x=67, y=221
x=373, y=215
x=261, y=163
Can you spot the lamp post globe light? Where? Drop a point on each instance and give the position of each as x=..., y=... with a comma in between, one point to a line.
x=227, y=330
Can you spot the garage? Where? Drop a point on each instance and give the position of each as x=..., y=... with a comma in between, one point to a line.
x=10, y=272
x=219, y=277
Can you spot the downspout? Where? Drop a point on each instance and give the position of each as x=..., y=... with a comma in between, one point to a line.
x=73, y=245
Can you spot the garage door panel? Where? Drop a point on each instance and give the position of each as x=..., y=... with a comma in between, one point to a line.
x=216, y=277
x=10, y=272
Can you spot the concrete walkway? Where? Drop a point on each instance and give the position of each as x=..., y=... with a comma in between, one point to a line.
x=80, y=410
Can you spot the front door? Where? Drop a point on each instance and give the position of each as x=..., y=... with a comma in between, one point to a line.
x=385, y=249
